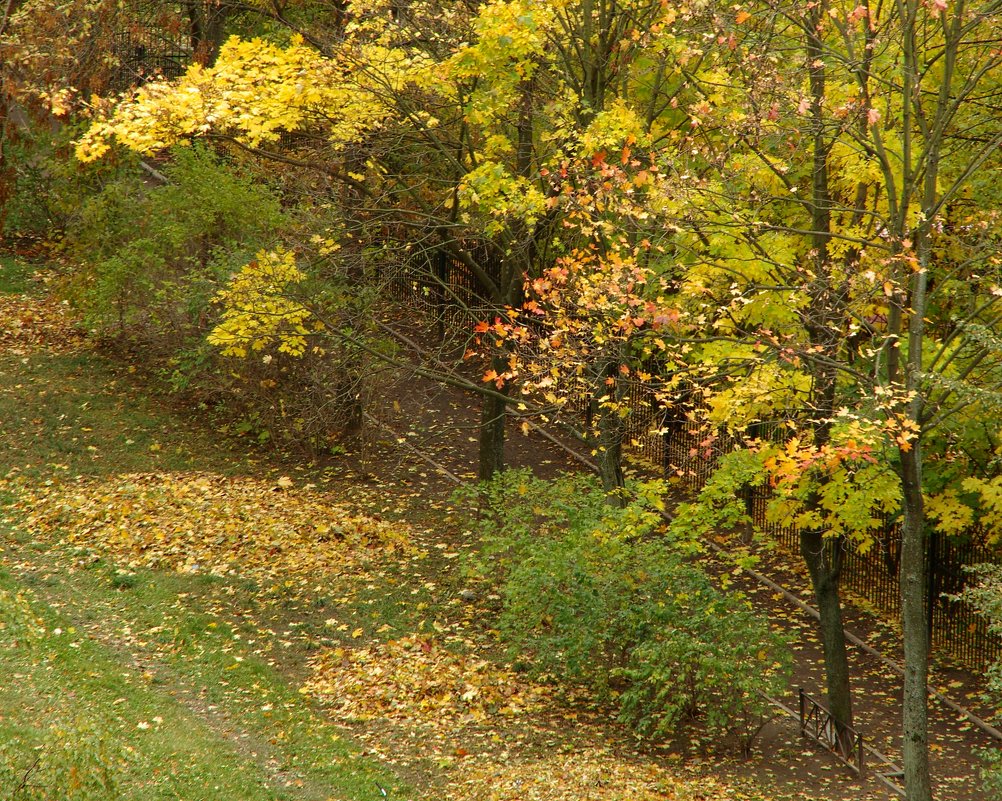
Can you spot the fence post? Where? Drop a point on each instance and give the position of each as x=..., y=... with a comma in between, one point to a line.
x=803, y=702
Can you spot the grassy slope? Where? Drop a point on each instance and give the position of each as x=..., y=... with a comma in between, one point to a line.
x=177, y=702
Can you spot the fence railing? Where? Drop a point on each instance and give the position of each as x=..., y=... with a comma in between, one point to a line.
x=841, y=739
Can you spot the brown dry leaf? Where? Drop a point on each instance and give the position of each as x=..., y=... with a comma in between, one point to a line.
x=590, y=775
x=200, y=522
x=28, y=324
x=415, y=679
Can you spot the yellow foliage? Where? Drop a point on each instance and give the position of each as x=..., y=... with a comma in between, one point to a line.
x=613, y=128
x=511, y=41
x=492, y=189
x=255, y=91
x=761, y=394
x=258, y=311
x=952, y=515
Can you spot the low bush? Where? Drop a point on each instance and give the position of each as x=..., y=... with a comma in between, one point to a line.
x=76, y=760
x=985, y=594
x=600, y=595
x=152, y=262
x=43, y=188
x=153, y=256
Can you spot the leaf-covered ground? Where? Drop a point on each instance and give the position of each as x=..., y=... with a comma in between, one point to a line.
x=229, y=626
x=417, y=680
x=28, y=324
x=204, y=522
x=592, y=775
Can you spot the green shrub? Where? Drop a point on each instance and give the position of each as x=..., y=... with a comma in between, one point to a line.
x=985, y=594
x=155, y=255
x=154, y=260
x=46, y=185
x=19, y=625
x=598, y=595
x=711, y=657
x=76, y=760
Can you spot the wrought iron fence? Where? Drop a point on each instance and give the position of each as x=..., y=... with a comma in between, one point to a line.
x=160, y=39
x=841, y=739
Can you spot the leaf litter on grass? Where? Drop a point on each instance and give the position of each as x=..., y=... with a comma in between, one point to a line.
x=28, y=324
x=415, y=679
x=474, y=715
x=593, y=774
x=200, y=522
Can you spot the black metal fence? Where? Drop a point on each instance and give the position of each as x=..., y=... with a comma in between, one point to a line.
x=161, y=39
x=821, y=726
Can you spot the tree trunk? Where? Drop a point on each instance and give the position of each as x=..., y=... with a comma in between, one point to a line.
x=492, y=422
x=608, y=428
x=824, y=563
x=6, y=172
x=610, y=456
x=915, y=726
x=823, y=556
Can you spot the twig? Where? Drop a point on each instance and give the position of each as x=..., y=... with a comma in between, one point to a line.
x=27, y=775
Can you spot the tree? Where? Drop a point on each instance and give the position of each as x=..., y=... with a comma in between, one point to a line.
x=597, y=322
x=835, y=276
x=444, y=127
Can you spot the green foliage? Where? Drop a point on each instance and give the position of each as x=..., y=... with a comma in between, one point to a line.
x=19, y=626
x=599, y=595
x=187, y=271
x=81, y=762
x=49, y=187
x=985, y=594
x=155, y=256
x=76, y=761
x=991, y=774
x=720, y=505
x=713, y=657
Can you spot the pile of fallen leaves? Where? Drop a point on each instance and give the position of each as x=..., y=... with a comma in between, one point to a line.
x=417, y=680
x=28, y=324
x=203, y=522
x=592, y=775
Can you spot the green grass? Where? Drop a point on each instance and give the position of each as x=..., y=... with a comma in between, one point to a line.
x=168, y=686
x=186, y=711
x=76, y=414
x=15, y=275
